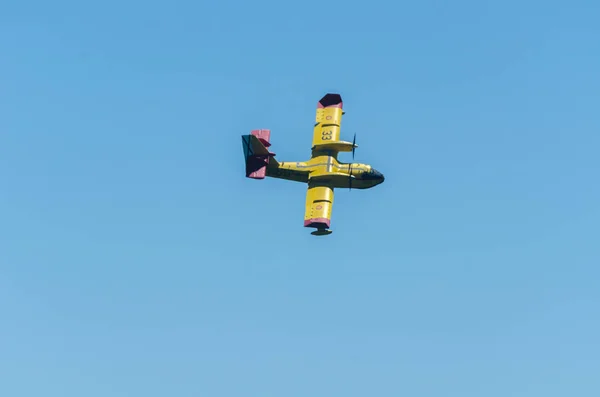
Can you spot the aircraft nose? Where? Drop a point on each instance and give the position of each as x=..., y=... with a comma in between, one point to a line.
x=379, y=175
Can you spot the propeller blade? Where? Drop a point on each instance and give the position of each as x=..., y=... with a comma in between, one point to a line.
x=353, y=145
x=350, y=178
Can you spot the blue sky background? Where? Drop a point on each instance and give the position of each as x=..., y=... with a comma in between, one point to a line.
x=137, y=260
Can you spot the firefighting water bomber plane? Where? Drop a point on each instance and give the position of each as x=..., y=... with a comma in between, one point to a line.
x=322, y=172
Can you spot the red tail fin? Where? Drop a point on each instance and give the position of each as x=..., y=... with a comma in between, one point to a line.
x=256, y=153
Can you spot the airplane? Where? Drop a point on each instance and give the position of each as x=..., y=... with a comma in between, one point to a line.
x=323, y=172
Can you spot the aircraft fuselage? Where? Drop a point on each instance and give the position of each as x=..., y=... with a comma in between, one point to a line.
x=326, y=170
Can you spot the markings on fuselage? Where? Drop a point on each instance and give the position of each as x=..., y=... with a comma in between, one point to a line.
x=329, y=164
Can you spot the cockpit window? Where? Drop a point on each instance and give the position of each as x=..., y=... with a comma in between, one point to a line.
x=372, y=174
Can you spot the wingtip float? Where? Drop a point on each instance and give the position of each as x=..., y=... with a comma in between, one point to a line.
x=322, y=172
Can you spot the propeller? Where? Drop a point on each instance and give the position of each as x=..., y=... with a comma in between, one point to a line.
x=350, y=167
x=350, y=178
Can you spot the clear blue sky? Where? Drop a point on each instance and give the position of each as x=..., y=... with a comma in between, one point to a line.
x=137, y=260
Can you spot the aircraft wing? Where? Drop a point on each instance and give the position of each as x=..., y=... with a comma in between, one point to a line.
x=319, y=200
x=328, y=120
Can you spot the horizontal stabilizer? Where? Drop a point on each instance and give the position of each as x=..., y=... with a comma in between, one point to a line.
x=255, y=145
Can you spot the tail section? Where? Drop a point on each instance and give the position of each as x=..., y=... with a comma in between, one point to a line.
x=256, y=154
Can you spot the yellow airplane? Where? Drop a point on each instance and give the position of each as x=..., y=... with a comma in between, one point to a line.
x=323, y=172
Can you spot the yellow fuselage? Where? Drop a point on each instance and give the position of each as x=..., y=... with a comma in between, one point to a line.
x=323, y=168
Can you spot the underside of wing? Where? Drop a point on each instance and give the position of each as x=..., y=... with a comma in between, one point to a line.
x=328, y=120
x=319, y=200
